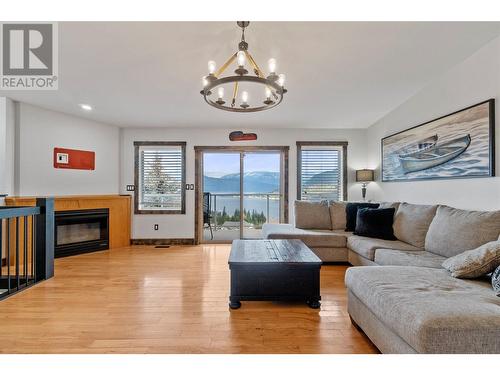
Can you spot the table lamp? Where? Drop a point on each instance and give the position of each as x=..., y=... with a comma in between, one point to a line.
x=364, y=176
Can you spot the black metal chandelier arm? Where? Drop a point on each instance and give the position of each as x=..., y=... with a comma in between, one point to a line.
x=254, y=79
x=206, y=92
x=243, y=110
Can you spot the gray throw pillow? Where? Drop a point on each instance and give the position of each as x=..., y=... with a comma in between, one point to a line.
x=338, y=215
x=312, y=215
x=411, y=223
x=454, y=231
x=474, y=263
x=495, y=281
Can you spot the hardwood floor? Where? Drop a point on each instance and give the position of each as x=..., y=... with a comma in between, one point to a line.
x=145, y=300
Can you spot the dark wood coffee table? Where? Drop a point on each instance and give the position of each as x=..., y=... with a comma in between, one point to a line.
x=273, y=270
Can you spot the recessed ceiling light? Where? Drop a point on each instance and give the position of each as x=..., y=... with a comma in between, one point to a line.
x=86, y=107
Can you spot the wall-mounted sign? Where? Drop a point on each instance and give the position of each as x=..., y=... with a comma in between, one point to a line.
x=240, y=136
x=66, y=158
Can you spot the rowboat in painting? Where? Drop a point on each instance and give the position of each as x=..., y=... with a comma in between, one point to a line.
x=434, y=155
x=420, y=145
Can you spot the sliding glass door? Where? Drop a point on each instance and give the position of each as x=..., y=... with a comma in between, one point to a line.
x=262, y=196
x=221, y=196
x=242, y=190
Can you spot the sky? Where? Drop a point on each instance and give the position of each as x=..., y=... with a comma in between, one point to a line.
x=220, y=164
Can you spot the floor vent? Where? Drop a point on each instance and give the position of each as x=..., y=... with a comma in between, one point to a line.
x=162, y=246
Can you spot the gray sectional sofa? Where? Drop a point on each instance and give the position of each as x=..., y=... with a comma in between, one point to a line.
x=409, y=303
x=328, y=245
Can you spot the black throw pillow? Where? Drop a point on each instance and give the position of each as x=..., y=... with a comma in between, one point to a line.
x=351, y=210
x=375, y=223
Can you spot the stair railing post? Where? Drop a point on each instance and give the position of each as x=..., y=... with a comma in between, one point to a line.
x=44, y=243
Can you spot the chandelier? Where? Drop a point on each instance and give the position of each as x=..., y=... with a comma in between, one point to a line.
x=271, y=87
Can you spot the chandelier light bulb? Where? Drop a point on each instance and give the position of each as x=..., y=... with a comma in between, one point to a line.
x=221, y=92
x=204, y=80
x=211, y=67
x=281, y=80
x=268, y=93
x=272, y=66
x=244, y=96
x=241, y=57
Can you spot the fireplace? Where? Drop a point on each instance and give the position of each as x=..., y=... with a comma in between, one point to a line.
x=81, y=231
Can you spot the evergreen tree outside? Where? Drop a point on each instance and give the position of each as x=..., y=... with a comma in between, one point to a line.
x=252, y=217
x=158, y=184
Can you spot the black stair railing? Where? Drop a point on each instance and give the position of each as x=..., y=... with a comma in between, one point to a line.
x=26, y=245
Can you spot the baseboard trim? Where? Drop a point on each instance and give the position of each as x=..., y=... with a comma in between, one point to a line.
x=162, y=241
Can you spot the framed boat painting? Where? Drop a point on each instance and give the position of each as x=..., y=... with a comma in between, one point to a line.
x=458, y=145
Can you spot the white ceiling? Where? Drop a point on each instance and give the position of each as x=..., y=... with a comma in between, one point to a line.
x=339, y=74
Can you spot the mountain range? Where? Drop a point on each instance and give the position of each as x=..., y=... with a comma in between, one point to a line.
x=254, y=182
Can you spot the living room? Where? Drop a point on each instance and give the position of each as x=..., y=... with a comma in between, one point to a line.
x=272, y=187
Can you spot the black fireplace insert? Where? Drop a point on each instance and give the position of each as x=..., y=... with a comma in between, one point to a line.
x=81, y=231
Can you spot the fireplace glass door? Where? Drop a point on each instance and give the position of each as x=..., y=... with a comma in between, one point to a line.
x=81, y=231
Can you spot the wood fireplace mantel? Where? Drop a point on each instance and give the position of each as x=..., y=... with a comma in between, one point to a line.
x=119, y=211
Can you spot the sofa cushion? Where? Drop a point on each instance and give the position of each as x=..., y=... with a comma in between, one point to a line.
x=338, y=214
x=375, y=223
x=312, y=215
x=394, y=205
x=387, y=257
x=352, y=211
x=311, y=237
x=412, y=221
x=366, y=246
x=454, y=231
x=430, y=310
x=475, y=263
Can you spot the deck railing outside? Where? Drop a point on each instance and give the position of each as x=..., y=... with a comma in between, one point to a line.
x=26, y=245
x=217, y=205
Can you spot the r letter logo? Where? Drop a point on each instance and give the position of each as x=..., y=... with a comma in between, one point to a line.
x=29, y=56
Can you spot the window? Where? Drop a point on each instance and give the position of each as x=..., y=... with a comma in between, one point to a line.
x=322, y=171
x=160, y=174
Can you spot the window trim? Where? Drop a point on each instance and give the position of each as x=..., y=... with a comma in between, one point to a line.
x=137, y=145
x=342, y=144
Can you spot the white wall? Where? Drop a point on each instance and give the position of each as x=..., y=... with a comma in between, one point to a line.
x=472, y=81
x=182, y=226
x=7, y=131
x=40, y=130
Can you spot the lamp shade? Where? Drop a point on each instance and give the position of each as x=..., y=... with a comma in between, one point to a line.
x=365, y=175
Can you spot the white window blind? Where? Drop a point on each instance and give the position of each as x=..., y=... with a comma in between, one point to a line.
x=321, y=173
x=161, y=178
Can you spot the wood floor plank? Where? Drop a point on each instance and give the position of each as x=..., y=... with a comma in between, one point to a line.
x=141, y=299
